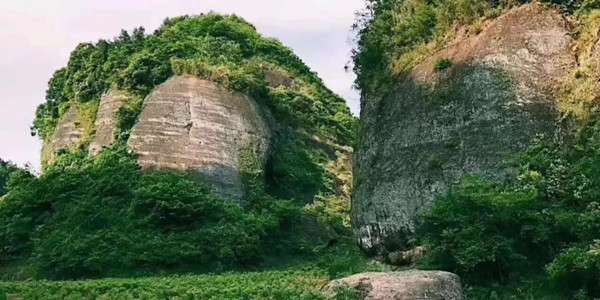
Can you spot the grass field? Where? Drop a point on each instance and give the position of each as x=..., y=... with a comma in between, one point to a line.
x=259, y=285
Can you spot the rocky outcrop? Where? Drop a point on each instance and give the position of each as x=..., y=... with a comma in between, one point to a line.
x=407, y=285
x=408, y=257
x=68, y=134
x=191, y=124
x=186, y=124
x=106, y=119
x=437, y=125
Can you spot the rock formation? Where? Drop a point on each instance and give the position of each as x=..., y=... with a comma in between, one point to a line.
x=207, y=95
x=407, y=285
x=68, y=135
x=186, y=124
x=437, y=125
x=191, y=124
x=107, y=119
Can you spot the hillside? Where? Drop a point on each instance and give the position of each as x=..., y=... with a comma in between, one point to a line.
x=96, y=100
x=478, y=140
x=202, y=147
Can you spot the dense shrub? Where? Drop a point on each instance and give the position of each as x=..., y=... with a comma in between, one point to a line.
x=90, y=217
x=442, y=64
x=6, y=170
x=505, y=231
x=578, y=269
x=294, y=171
x=494, y=244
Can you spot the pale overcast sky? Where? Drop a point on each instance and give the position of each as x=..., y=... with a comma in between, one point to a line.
x=38, y=35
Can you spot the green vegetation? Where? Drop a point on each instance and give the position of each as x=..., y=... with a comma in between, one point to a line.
x=309, y=122
x=225, y=49
x=579, y=90
x=442, y=64
x=6, y=170
x=92, y=217
x=264, y=285
x=546, y=218
x=89, y=217
x=302, y=279
x=127, y=117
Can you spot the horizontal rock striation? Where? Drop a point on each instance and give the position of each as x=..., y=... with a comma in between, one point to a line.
x=436, y=126
x=68, y=134
x=191, y=124
x=107, y=119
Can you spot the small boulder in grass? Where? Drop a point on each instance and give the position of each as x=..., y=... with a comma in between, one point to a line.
x=405, y=285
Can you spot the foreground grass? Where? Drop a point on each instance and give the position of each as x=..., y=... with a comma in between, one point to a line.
x=259, y=285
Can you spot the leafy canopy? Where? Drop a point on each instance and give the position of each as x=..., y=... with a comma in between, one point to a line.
x=6, y=170
x=548, y=217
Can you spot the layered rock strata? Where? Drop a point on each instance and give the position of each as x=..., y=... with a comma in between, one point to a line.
x=107, y=119
x=191, y=124
x=67, y=135
x=437, y=125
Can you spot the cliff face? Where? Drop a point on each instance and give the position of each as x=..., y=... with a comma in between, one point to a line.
x=191, y=124
x=440, y=123
x=186, y=124
x=68, y=135
x=107, y=119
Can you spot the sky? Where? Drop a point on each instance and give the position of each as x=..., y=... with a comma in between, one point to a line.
x=37, y=37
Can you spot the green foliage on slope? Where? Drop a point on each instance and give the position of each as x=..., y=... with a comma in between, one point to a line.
x=101, y=216
x=92, y=217
x=308, y=121
x=547, y=218
x=6, y=170
x=226, y=49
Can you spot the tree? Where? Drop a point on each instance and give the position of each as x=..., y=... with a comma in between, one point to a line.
x=7, y=168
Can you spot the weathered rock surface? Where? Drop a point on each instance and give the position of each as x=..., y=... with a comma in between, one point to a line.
x=68, y=134
x=407, y=285
x=195, y=125
x=106, y=119
x=408, y=257
x=435, y=127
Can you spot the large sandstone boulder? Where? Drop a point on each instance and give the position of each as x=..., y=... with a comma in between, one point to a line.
x=107, y=119
x=407, y=285
x=436, y=126
x=68, y=134
x=191, y=124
